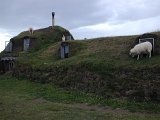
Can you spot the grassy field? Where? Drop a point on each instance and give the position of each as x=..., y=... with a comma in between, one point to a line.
x=99, y=80
x=21, y=99
x=101, y=66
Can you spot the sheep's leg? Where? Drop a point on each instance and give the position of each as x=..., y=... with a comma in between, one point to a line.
x=149, y=54
x=138, y=57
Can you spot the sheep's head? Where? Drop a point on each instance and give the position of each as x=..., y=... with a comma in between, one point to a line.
x=132, y=53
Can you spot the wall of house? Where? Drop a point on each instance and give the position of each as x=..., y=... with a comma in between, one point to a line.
x=18, y=44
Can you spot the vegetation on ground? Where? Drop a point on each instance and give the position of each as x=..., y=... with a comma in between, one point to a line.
x=98, y=72
x=21, y=99
x=101, y=66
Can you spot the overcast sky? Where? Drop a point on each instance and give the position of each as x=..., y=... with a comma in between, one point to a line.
x=83, y=18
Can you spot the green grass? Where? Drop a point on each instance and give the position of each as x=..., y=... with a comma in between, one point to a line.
x=100, y=66
x=113, y=50
x=21, y=99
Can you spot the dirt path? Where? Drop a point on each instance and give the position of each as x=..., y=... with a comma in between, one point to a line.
x=97, y=108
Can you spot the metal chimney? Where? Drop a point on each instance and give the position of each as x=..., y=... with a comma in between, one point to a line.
x=53, y=21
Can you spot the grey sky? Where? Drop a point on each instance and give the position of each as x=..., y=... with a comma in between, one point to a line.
x=84, y=18
x=69, y=13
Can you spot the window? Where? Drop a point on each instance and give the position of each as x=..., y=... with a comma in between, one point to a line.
x=26, y=44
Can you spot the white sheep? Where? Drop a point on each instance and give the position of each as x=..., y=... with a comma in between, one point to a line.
x=141, y=48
